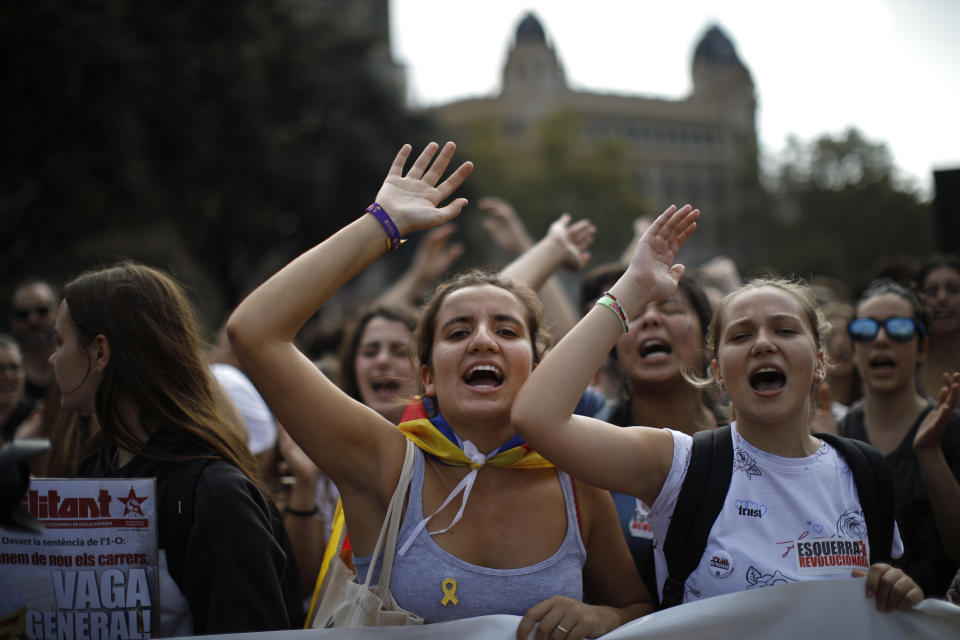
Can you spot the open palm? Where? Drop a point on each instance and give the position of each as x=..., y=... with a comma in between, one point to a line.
x=933, y=425
x=575, y=240
x=413, y=200
x=651, y=266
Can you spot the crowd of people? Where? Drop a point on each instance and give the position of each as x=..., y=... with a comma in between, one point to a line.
x=554, y=439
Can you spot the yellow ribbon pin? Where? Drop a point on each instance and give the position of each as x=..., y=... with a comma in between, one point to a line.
x=449, y=587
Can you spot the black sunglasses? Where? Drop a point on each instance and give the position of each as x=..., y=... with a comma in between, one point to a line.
x=897, y=328
x=23, y=314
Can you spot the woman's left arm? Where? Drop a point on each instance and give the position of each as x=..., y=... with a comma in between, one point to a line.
x=941, y=484
x=610, y=578
x=566, y=245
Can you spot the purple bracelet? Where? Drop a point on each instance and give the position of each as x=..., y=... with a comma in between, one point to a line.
x=393, y=235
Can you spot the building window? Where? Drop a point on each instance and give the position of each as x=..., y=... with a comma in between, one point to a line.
x=669, y=184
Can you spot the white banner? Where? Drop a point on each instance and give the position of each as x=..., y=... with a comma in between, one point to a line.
x=813, y=609
x=92, y=574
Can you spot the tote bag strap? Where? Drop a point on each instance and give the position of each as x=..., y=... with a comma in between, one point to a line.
x=391, y=526
x=330, y=554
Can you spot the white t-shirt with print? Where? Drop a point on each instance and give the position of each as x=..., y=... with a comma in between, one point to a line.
x=784, y=519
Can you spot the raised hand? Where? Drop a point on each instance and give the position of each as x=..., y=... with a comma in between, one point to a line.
x=413, y=200
x=721, y=272
x=651, y=266
x=574, y=239
x=931, y=429
x=505, y=227
x=434, y=256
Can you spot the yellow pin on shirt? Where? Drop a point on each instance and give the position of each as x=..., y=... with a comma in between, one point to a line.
x=449, y=587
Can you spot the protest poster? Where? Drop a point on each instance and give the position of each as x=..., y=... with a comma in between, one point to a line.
x=92, y=573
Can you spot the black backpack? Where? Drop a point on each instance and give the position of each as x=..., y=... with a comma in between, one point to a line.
x=708, y=480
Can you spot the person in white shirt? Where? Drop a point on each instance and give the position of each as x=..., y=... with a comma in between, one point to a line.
x=792, y=512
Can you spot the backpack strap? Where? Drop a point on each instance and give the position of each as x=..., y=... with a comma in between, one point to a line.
x=874, y=483
x=698, y=505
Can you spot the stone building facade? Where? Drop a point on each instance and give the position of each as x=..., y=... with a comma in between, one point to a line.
x=701, y=149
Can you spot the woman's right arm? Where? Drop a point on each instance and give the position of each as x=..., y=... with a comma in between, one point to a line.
x=534, y=264
x=591, y=450
x=565, y=244
x=432, y=259
x=351, y=443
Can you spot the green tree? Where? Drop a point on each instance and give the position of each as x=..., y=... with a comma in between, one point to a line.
x=841, y=211
x=553, y=170
x=249, y=129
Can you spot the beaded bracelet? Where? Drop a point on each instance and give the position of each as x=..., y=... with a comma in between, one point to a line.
x=393, y=235
x=610, y=302
x=301, y=512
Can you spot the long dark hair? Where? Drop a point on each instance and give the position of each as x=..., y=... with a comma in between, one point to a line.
x=351, y=345
x=156, y=361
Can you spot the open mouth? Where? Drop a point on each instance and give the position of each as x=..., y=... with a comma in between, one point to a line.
x=385, y=385
x=882, y=363
x=767, y=379
x=654, y=346
x=484, y=375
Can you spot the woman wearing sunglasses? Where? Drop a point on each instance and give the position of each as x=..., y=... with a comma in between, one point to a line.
x=920, y=438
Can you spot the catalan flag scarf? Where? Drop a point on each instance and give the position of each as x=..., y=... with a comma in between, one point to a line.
x=435, y=437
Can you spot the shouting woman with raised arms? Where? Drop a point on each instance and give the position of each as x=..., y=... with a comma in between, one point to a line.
x=515, y=541
x=765, y=342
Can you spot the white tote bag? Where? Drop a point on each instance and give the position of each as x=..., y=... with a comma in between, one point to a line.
x=346, y=603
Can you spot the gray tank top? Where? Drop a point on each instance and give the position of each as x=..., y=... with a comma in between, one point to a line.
x=434, y=584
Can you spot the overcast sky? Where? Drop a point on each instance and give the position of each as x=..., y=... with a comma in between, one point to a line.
x=889, y=67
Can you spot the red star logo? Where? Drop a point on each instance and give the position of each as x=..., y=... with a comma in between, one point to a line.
x=132, y=503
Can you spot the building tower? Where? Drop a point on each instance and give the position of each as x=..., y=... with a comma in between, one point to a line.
x=700, y=149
